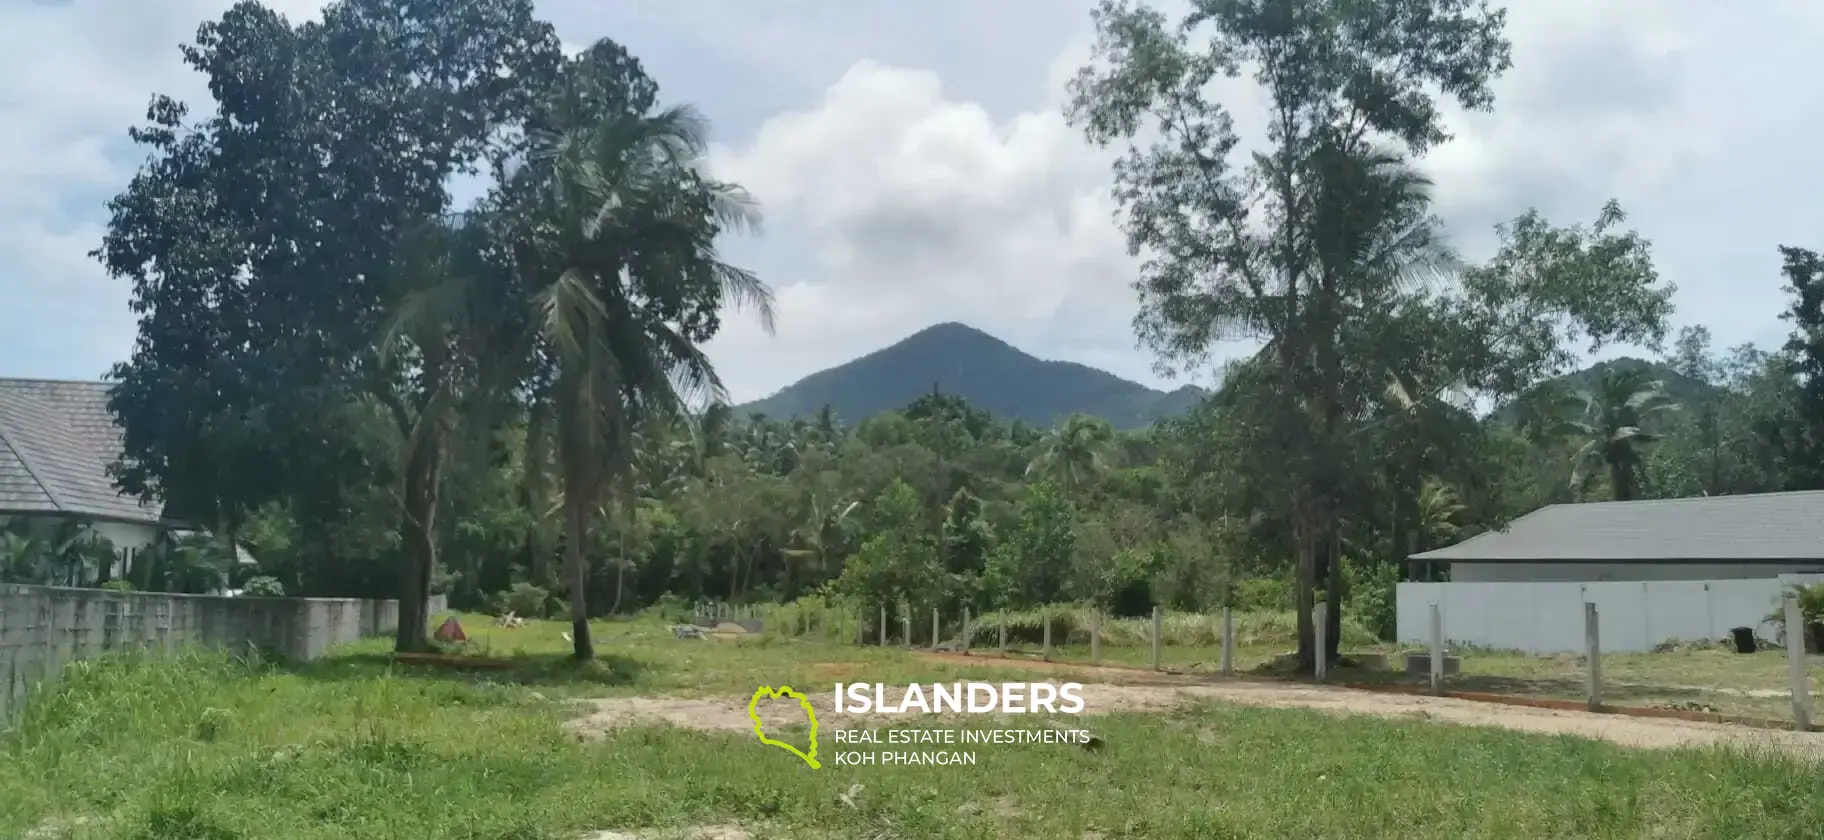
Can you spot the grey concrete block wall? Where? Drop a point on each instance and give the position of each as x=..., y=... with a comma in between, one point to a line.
x=44, y=628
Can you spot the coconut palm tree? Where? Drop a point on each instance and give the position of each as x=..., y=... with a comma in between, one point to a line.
x=624, y=227
x=1617, y=414
x=1075, y=453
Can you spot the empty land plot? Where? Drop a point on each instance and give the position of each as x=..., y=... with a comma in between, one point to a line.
x=351, y=749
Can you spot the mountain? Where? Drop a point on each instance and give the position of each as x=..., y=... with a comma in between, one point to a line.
x=987, y=372
x=1681, y=388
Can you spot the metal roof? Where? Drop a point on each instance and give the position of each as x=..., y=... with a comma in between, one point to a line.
x=57, y=439
x=1759, y=527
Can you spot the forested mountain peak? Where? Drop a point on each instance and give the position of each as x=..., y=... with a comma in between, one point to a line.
x=989, y=373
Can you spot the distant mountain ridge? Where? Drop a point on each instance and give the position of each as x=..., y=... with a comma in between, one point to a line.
x=987, y=372
x=1680, y=388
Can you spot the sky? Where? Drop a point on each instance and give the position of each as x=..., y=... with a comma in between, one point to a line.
x=915, y=168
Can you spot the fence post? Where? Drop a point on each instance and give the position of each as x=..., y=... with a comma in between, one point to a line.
x=967, y=631
x=905, y=625
x=1003, y=624
x=1321, y=619
x=935, y=628
x=1437, y=649
x=1095, y=637
x=1046, y=613
x=1158, y=633
x=1228, y=641
x=1592, y=645
x=883, y=625
x=1795, y=663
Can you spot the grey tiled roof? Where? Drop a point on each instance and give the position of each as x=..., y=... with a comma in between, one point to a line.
x=1746, y=528
x=56, y=442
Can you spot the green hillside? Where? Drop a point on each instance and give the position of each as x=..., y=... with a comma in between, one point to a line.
x=1681, y=388
x=988, y=372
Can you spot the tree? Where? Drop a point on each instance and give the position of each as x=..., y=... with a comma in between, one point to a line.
x=1233, y=254
x=1801, y=445
x=448, y=346
x=257, y=239
x=1615, y=427
x=1075, y=453
x=622, y=225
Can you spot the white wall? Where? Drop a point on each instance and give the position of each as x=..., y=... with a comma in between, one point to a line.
x=1592, y=572
x=1547, y=617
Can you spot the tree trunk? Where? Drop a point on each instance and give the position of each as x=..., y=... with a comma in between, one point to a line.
x=620, y=575
x=418, y=532
x=1333, y=594
x=1306, y=594
x=576, y=572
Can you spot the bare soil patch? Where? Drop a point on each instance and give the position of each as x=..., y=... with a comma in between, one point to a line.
x=703, y=832
x=730, y=715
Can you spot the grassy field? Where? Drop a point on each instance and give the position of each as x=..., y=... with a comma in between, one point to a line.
x=211, y=748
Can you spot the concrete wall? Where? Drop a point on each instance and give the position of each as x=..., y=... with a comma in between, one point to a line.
x=1594, y=572
x=1633, y=616
x=44, y=628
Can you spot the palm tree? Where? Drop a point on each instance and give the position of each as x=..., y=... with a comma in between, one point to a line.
x=1074, y=453
x=624, y=226
x=825, y=530
x=1616, y=416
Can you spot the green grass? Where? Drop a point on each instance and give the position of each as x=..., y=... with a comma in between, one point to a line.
x=210, y=748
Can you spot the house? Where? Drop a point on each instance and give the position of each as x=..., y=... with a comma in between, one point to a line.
x=1755, y=536
x=57, y=440
x=1658, y=571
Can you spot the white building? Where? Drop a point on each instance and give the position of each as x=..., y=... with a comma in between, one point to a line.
x=1658, y=571
x=57, y=440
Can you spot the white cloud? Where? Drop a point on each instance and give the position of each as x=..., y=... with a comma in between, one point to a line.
x=919, y=206
x=919, y=209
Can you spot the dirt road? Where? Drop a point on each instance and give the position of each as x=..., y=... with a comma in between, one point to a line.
x=1162, y=693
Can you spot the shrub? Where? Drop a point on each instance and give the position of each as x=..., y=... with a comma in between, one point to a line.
x=525, y=601
x=118, y=585
x=264, y=586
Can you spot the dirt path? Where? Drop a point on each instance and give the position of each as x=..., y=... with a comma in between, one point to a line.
x=730, y=715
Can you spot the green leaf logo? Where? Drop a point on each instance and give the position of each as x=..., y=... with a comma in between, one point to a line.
x=767, y=692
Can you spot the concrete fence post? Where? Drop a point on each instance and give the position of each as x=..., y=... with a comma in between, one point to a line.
x=1228, y=641
x=883, y=625
x=1437, y=649
x=1592, y=650
x=1095, y=637
x=935, y=628
x=1795, y=663
x=1158, y=633
x=1003, y=623
x=1046, y=617
x=1320, y=617
x=905, y=626
x=967, y=631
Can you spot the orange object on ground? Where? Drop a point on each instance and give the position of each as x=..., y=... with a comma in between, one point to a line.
x=451, y=631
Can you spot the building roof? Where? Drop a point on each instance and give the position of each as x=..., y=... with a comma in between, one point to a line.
x=1759, y=527
x=57, y=439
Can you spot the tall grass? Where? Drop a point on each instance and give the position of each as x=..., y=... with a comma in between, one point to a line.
x=1070, y=625
x=217, y=747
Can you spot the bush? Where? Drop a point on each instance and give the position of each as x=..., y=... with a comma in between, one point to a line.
x=264, y=586
x=118, y=585
x=525, y=601
x=1263, y=594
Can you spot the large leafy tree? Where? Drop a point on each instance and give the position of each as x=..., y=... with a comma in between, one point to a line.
x=619, y=227
x=1231, y=251
x=256, y=239
x=1320, y=246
